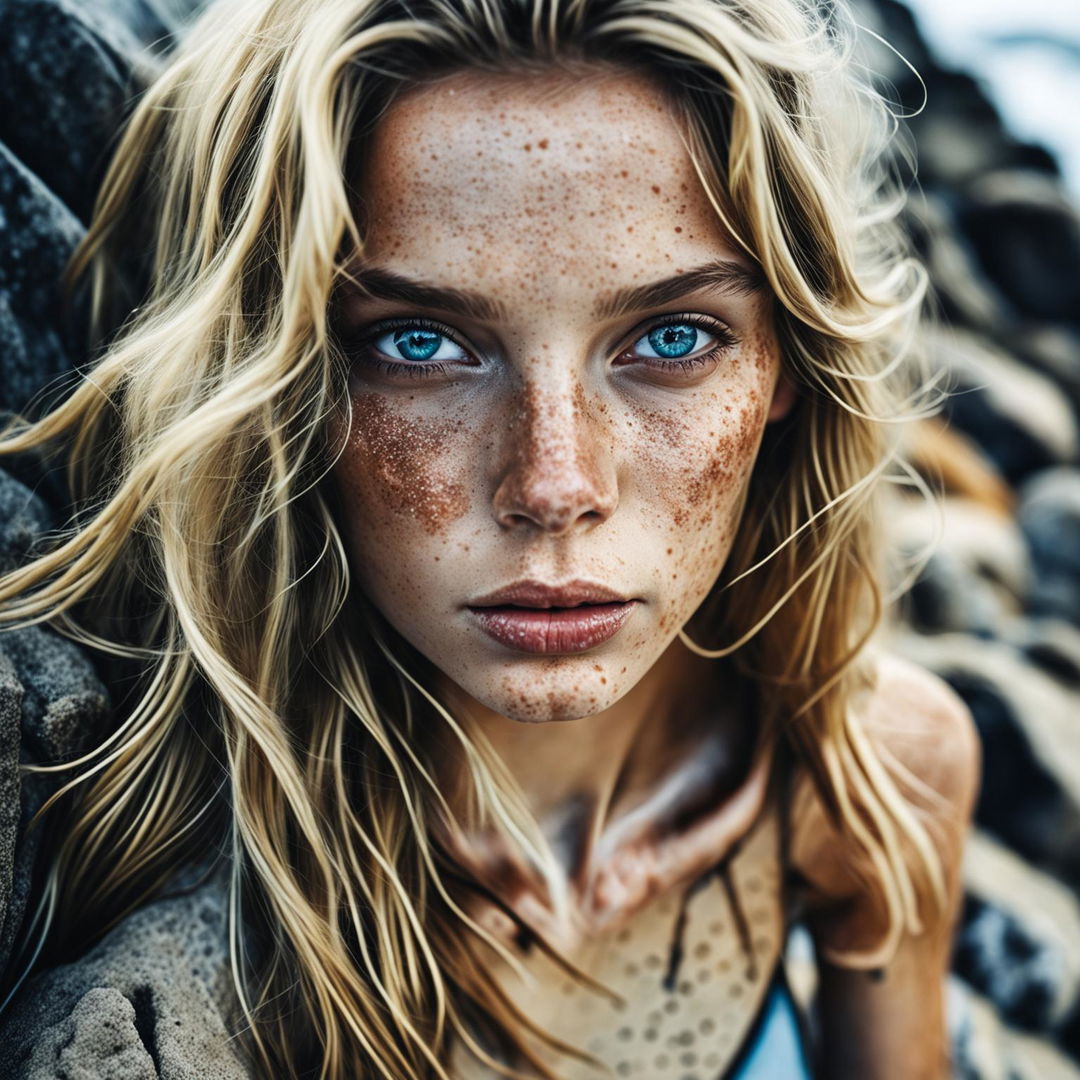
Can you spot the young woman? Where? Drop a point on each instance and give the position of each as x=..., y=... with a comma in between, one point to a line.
x=480, y=480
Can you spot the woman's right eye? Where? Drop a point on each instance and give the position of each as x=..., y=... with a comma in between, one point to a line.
x=409, y=348
x=415, y=343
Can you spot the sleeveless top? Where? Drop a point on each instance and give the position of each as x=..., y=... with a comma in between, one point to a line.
x=697, y=979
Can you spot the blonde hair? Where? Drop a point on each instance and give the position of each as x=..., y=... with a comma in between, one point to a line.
x=205, y=549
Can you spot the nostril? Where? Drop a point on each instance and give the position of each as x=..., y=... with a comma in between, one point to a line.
x=552, y=518
x=556, y=474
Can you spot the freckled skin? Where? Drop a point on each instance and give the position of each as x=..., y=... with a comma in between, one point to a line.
x=556, y=452
x=399, y=460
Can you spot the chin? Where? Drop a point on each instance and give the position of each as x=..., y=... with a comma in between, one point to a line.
x=539, y=699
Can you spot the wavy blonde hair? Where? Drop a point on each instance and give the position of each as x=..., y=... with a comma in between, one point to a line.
x=273, y=718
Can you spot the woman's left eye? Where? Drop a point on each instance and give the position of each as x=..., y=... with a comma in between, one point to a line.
x=681, y=343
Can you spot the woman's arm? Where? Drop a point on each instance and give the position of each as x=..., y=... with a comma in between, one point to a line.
x=890, y=1024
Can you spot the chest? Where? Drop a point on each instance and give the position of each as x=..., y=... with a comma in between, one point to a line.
x=680, y=986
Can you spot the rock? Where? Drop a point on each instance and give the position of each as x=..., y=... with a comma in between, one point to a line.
x=1049, y=515
x=98, y=1041
x=153, y=998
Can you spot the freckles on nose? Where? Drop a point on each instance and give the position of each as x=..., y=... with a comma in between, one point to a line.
x=555, y=467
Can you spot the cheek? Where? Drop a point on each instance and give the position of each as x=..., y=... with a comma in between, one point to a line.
x=699, y=460
x=726, y=459
x=397, y=470
x=700, y=463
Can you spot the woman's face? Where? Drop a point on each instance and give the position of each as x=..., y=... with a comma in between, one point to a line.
x=562, y=368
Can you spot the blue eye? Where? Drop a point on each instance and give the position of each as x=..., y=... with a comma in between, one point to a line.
x=673, y=340
x=677, y=340
x=417, y=344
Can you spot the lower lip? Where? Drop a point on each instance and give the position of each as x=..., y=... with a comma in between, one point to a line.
x=554, y=630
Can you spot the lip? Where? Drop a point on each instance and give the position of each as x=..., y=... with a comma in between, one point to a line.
x=533, y=617
x=531, y=593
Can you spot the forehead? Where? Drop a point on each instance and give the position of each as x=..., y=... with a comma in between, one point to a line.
x=517, y=178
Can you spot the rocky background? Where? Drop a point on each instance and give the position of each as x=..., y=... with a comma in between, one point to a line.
x=996, y=611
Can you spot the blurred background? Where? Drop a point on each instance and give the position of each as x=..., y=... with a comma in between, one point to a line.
x=1025, y=57
x=996, y=612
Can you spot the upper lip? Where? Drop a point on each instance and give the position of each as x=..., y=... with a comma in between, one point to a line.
x=537, y=594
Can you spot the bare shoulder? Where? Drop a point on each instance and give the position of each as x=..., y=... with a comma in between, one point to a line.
x=920, y=726
x=925, y=737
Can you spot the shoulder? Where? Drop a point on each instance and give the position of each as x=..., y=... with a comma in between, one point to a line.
x=924, y=737
x=922, y=732
x=925, y=733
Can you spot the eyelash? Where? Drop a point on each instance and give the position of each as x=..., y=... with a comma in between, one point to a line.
x=396, y=367
x=725, y=339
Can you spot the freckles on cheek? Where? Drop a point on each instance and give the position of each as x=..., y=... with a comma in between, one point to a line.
x=720, y=454
x=727, y=460
x=396, y=462
x=703, y=470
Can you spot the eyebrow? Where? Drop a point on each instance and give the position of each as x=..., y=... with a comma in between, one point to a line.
x=721, y=275
x=386, y=285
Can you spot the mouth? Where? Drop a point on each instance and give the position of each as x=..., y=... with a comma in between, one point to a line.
x=533, y=617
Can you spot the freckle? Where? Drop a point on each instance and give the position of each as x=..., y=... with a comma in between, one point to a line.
x=669, y=551
x=528, y=146
x=629, y=228
x=543, y=144
x=656, y=189
x=401, y=457
x=678, y=228
x=603, y=680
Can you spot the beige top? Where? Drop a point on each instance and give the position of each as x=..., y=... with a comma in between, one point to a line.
x=692, y=966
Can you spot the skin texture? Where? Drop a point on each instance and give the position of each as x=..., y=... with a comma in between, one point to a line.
x=550, y=448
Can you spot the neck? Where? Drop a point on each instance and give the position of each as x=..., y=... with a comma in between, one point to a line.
x=594, y=768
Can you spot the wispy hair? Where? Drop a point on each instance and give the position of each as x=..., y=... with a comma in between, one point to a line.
x=273, y=713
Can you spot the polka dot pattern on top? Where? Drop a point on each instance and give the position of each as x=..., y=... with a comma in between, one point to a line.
x=693, y=967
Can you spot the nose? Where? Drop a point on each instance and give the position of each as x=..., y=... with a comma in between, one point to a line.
x=557, y=471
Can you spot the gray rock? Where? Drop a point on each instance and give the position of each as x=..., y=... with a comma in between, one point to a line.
x=98, y=1041
x=1049, y=514
x=153, y=999
x=52, y=706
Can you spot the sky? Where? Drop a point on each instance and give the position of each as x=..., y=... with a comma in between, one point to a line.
x=1027, y=54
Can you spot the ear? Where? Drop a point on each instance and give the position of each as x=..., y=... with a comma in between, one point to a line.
x=784, y=397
